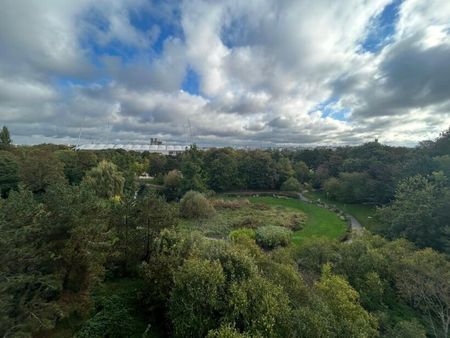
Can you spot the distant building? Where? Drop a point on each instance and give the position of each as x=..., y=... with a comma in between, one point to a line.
x=155, y=141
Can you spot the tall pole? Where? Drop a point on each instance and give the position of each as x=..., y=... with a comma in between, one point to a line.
x=191, y=141
x=81, y=128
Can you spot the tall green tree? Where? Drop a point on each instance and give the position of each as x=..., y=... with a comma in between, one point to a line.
x=5, y=138
x=76, y=164
x=48, y=249
x=105, y=180
x=39, y=169
x=258, y=170
x=284, y=170
x=172, y=184
x=420, y=212
x=302, y=172
x=442, y=144
x=9, y=173
x=222, y=169
x=194, y=176
x=154, y=214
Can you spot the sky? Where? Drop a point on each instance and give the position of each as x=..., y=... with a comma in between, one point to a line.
x=254, y=72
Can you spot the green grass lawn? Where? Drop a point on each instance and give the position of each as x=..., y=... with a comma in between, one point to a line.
x=363, y=213
x=320, y=222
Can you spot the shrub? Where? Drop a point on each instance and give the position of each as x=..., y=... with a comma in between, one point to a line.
x=234, y=204
x=242, y=233
x=296, y=222
x=195, y=205
x=270, y=236
x=226, y=331
x=173, y=179
x=113, y=320
x=291, y=184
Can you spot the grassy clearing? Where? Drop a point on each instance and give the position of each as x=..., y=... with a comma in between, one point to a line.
x=320, y=222
x=246, y=215
x=363, y=213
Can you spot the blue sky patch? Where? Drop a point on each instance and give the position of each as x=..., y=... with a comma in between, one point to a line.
x=328, y=109
x=382, y=28
x=191, y=82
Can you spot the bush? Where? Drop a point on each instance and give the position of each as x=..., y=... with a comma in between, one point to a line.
x=291, y=184
x=226, y=331
x=195, y=205
x=270, y=236
x=173, y=179
x=113, y=320
x=234, y=204
x=242, y=233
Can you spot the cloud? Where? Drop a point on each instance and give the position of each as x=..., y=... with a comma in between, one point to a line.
x=289, y=72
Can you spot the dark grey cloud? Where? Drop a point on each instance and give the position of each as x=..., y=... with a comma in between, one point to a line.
x=410, y=76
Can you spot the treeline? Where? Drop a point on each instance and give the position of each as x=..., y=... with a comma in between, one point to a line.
x=372, y=174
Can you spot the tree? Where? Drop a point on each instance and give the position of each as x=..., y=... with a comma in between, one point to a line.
x=23, y=286
x=40, y=169
x=192, y=170
x=105, y=180
x=76, y=164
x=442, y=144
x=332, y=187
x=291, y=184
x=5, y=138
x=222, y=169
x=226, y=331
x=155, y=214
x=443, y=164
x=76, y=222
x=196, y=301
x=123, y=218
x=355, y=187
x=407, y=329
x=258, y=170
x=169, y=251
x=114, y=320
x=259, y=308
x=420, y=212
x=284, y=169
x=302, y=172
x=157, y=163
x=423, y=280
x=172, y=184
x=48, y=249
x=9, y=173
x=350, y=318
